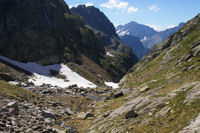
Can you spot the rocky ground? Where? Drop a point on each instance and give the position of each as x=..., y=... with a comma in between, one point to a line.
x=50, y=111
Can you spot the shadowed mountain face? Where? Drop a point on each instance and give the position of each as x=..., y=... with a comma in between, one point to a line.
x=135, y=44
x=44, y=31
x=123, y=57
x=96, y=19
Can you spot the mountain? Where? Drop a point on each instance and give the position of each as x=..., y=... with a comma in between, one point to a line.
x=135, y=44
x=105, y=31
x=135, y=29
x=64, y=89
x=148, y=36
x=43, y=31
x=160, y=36
x=95, y=18
x=163, y=89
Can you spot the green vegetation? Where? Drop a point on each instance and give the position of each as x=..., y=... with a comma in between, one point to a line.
x=156, y=74
x=173, y=121
x=15, y=92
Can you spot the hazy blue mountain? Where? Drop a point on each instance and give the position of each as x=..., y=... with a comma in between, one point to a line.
x=149, y=37
x=135, y=44
x=135, y=29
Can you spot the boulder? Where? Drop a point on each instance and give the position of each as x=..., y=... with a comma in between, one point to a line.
x=131, y=114
x=68, y=111
x=145, y=88
x=48, y=114
x=12, y=105
x=118, y=94
x=13, y=111
x=196, y=51
x=84, y=116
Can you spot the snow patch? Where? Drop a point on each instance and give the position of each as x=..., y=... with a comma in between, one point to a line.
x=13, y=82
x=112, y=84
x=42, y=74
x=123, y=33
x=109, y=54
x=144, y=39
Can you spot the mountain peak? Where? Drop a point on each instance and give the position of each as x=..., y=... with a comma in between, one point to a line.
x=95, y=18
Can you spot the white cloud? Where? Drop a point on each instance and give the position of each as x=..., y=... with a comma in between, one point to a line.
x=154, y=8
x=89, y=4
x=115, y=24
x=132, y=9
x=75, y=5
x=115, y=4
x=160, y=28
x=86, y=4
x=70, y=6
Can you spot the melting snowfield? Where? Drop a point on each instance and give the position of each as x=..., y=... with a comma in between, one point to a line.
x=113, y=85
x=42, y=74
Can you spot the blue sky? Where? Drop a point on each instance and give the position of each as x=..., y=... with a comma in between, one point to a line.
x=159, y=14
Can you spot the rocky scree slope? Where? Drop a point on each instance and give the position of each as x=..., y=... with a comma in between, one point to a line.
x=123, y=57
x=165, y=89
x=46, y=32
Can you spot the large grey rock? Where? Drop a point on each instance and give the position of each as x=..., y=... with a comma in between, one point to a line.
x=49, y=114
x=131, y=114
x=69, y=112
x=84, y=116
x=196, y=51
x=13, y=111
x=144, y=88
x=118, y=94
x=12, y=105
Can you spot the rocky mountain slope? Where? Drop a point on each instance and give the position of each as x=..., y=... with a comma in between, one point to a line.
x=46, y=32
x=106, y=32
x=164, y=89
x=148, y=36
x=161, y=93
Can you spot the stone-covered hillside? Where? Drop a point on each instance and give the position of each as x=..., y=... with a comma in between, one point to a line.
x=163, y=89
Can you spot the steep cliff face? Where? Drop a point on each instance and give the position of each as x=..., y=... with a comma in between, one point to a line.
x=123, y=57
x=44, y=31
x=96, y=19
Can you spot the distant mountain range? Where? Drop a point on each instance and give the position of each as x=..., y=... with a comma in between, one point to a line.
x=148, y=36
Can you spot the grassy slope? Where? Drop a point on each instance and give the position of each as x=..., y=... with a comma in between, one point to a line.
x=15, y=92
x=169, y=77
x=163, y=74
x=152, y=70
